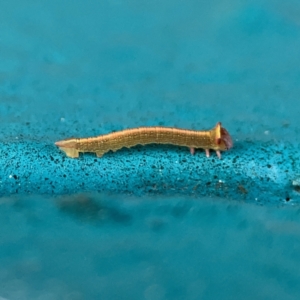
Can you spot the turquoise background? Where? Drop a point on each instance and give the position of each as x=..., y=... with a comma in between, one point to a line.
x=149, y=222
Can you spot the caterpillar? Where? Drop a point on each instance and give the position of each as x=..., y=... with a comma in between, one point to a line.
x=217, y=139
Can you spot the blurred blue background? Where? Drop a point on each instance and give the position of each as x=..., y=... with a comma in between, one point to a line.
x=83, y=68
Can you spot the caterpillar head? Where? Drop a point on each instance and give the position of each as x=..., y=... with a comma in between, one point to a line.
x=223, y=138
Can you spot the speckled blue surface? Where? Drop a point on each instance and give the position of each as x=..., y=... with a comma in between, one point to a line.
x=257, y=172
x=84, y=68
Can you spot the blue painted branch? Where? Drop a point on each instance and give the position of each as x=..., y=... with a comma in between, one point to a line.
x=252, y=171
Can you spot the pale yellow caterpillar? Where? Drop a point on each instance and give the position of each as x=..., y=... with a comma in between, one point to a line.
x=217, y=139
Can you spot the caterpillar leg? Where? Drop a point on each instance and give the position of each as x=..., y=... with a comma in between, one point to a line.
x=219, y=154
x=207, y=152
x=99, y=153
x=192, y=150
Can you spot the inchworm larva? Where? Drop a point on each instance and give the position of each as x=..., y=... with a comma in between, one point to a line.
x=217, y=139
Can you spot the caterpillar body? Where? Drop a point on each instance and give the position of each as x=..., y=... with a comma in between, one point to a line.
x=217, y=139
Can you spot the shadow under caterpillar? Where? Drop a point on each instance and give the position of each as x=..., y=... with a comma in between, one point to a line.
x=217, y=139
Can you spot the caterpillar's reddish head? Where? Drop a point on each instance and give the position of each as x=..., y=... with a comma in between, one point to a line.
x=223, y=137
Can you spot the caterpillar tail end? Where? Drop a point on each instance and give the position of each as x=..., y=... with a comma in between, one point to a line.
x=68, y=146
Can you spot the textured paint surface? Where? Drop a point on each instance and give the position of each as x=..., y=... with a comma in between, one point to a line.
x=251, y=171
x=86, y=68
